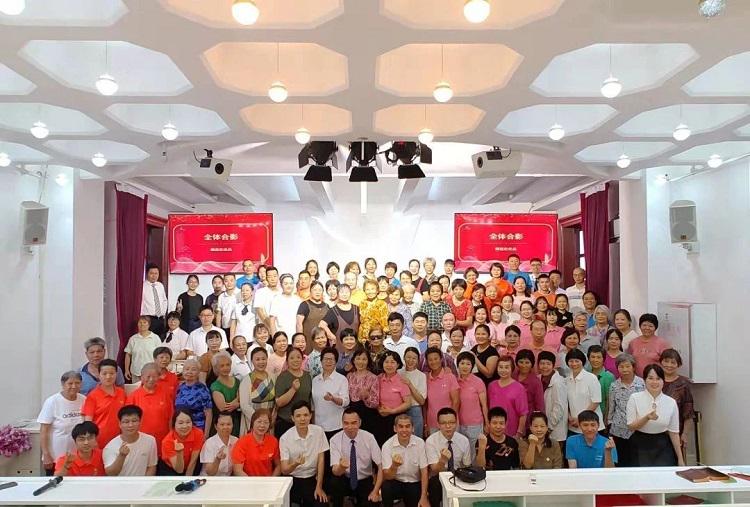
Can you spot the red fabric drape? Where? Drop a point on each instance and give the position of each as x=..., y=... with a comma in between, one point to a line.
x=131, y=258
x=595, y=227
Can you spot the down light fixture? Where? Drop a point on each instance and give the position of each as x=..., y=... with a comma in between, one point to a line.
x=711, y=8
x=245, y=12
x=302, y=136
x=170, y=132
x=476, y=11
x=4, y=159
x=425, y=135
x=556, y=132
x=278, y=92
x=715, y=161
x=611, y=87
x=623, y=162
x=443, y=91
x=106, y=84
x=406, y=152
x=39, y=130
x=681, y=132
x=320, y=153
x=99, y=160
x=364, y=153
x=12, y=7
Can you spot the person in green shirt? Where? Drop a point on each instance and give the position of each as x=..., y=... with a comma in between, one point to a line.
x=596, y=361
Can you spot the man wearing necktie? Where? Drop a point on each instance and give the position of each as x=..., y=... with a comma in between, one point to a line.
x=353, y=452
x=154, y=300
x=446, y=450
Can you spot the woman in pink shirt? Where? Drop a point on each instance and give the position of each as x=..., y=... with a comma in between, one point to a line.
x=648, y=347
x=521, y=293
x=524, y=323
x=395, y=396
x=509, y=394
x=524, y=374
x=612, y=349
x=554, y=332
x=472, y=413
x=442, y=388
x=512, y=342
x=497, y=326
x=480, y=317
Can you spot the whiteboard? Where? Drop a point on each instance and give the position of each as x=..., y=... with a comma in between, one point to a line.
x=674, y=326
x=691, y=329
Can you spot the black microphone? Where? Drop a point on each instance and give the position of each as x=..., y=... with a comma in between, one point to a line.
x=51, y=484
x=189, y=486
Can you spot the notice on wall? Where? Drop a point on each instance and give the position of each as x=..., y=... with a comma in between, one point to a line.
x=219, y=243
x=479, y=239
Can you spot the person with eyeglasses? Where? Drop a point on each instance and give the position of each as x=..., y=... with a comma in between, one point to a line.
x=243, y=314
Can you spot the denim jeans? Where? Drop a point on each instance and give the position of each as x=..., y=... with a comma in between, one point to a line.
x=472, y=433
x=415, y=412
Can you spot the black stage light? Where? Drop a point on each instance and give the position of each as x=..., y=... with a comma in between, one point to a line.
x=410, y=171
x=407, y=152
x=363, y=173
x=364, y=153
x=319, y=173
x=319, y=152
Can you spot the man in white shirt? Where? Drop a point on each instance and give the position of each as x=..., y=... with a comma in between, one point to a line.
x=404, y=466
x=216, y=454
x=446, y=450
x=227, y=300
x=353, y=452
x=132, y=453
x=154, y=301
x=575, y=292
x=555, y=281
x=448, y=322
x=396, y=341
x=284, y=308
x=198, y=336
x=264, y=296
x=302, y=450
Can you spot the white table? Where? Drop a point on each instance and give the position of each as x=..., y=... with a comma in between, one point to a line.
x=127, y=491
x=579, y=488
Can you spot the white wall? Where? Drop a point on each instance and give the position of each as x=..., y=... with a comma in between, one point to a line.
x=718, y=274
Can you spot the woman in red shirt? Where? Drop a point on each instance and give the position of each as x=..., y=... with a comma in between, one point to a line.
x=256, y=454
x=181, y=448
x=461, y=306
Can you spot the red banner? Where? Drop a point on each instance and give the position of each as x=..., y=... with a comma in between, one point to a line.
x=483, y=238
x=208, y=244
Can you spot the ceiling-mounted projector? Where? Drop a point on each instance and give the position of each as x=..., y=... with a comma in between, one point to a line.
x=496, y=163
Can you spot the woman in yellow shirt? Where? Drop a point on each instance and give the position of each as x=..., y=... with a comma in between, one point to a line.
x=371, y=311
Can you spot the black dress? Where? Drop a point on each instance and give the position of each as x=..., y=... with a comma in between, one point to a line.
x=191, y=306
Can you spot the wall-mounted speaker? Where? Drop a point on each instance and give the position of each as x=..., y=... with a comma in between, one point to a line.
x=34, y=223
x=683, y=222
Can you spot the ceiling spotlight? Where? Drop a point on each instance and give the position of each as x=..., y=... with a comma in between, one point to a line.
x=681, y=132
x=425, y=136
x=245, y=12
x=12, y=7
x=302, y=136
x=39, y=130
x=476, y=11
x=364, y=153
x=611, y=87
x=442, y=92
x=714, y=161
x=321, y=153
x=406, y=152
x=278, y=92
x=98, y=160
x=170, y=132
x=4, y=159
x=556, y=132
x=107, y=85
x=711, y=8
x=623, y=162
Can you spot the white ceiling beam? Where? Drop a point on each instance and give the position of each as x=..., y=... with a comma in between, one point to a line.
x=405, y=192
x=323, y=195
x=169, y=198
x=483, y=191
x=557, y=197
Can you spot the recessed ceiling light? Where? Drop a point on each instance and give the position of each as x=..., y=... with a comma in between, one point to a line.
x=611, y=87
x=623, y=162
x=98, y=160
x=278, y=92
x=12, y=7
x=245, y=12
x=711, y=8
x=681, y=132
x=106, y=85
x=170, y=132
x=556, y=132
x=425, y=136
x=302, y=136
x=4, y=159
x=443, y=92
x=714, y=161
x=476, y=11
x=39, y=130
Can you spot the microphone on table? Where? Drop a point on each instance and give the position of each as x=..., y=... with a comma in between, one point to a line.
x=189, y=486
x=51, y=484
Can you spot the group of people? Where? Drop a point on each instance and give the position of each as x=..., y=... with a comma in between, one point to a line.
x=372, y=386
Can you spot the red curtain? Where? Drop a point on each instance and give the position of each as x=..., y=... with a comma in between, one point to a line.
x=131, y=258
x=595, y=227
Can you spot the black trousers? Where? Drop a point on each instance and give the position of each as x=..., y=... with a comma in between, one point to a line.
x=340, y=488
x=157, y=326
x=303, y=492
x=435, y=491
x=625, y=456
x=408, y=492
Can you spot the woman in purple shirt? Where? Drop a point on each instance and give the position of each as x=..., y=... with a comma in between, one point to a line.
x=525, y=376
x=509, y=394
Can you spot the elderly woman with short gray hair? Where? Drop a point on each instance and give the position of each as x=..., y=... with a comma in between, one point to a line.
x=59, y=414
x=225, y=390
x=616, y=416
x=194, y=396
x=601, y=323
x=96, y=350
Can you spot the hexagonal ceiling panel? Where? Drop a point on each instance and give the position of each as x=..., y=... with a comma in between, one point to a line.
x=413, y=70
x=699, y=117
x=727, y=150
x=730, y=77
x=250, y=67
x=12, y=83
x=288, y=14
x=115, y=152
x=68, y=13
x=77, y=64
x=424, y=14
x=638, y=67
x=535, y=121
x=59, y=120
x=150, y=118
x=22, y=153
x=443, y=119
x=608, y=153
x=285, y=119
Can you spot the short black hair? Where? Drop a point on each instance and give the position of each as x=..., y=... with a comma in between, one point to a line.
x=129, y=410
x=449, y=261
x=446, y=411
x=152, y=265
x=351, y=410
x=392, y=265
x=300, y=404
x=656, y=368
x=546, y=355
x=162, y=350
x=108, y=362
x=649, y=317
x=392, y=354
x=332, y=265
x=395, y=316
x=588, y=415
x=497, y=412
x=419, y=314
x=575, y=354
x=330, y=350
x=671, y=354
x=85, y=428
x=594, y=349
x=466, y=356
x=526, y=354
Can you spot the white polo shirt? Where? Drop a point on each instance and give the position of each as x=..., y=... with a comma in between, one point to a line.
x=264, y=297
x=641, y=403
x=327, y=413
x=141, y=456
x=459, y=443
x=199, y=340
x=413, y=454
x=291, y=446
x=584, y=390
x=226, y=304
x=211, y=448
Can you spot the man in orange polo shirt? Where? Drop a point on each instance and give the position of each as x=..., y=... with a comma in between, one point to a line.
x=156, y=403
x=166, y=379
x=103, y=403
x=87, y=458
